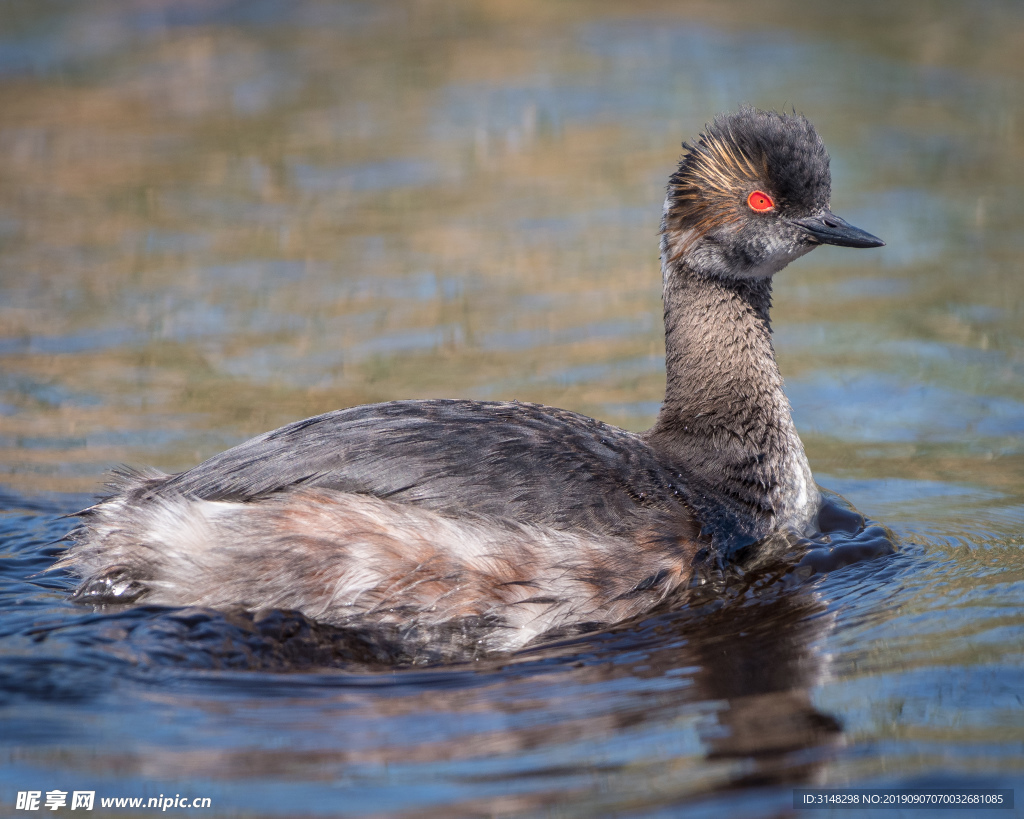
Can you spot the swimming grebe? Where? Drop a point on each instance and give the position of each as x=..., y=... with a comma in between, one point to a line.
x=520, y=518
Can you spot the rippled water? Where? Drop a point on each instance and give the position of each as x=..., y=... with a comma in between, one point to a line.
x=216, y=217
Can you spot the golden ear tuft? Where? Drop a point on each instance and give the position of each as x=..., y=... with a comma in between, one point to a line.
x=708, y=189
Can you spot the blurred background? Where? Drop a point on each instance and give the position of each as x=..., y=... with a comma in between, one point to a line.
x=217, y=216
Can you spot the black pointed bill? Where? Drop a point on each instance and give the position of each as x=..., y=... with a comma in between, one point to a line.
x=829, y=229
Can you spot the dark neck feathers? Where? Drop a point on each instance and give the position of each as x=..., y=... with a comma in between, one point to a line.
x=725, y=421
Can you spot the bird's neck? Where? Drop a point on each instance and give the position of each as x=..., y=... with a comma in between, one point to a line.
x=725, y=421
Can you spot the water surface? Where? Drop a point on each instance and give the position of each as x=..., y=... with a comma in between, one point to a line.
x=217, y=217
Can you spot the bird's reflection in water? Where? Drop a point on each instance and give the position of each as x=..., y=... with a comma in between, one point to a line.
x=760, y=661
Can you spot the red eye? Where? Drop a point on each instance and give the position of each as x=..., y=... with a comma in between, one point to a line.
x=760, y=201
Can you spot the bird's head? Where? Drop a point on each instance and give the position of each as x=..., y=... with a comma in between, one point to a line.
x=750, y=196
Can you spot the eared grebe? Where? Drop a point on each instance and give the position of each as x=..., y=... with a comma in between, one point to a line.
x=418, y=516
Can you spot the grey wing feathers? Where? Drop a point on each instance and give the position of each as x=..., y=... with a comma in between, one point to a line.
x=526, y=461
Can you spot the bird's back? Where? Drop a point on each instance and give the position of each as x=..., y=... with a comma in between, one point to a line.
x=525, y=462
